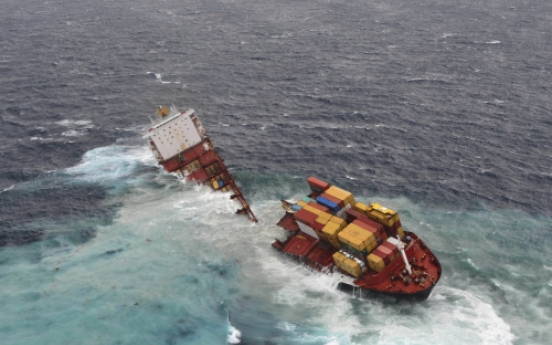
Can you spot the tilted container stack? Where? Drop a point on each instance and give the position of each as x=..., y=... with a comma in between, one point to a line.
x=359, y=232
x=383, y=255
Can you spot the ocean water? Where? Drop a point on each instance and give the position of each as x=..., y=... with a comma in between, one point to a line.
x=437, y=109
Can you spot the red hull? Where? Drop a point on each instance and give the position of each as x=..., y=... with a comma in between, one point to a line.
x=182, y=145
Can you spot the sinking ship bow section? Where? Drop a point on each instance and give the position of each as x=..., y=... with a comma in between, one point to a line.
x=330, y=231
x=181, y=145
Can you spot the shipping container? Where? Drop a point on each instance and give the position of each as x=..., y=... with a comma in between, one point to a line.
x=346, y=264
x=341, y=222
x=341, y=194
x=345, y=238
x=356, y=237
x=307, y=230
x=334, y=207
x=301, y=203
x=352, y=215
x=295, y=207
x=376, y=232
x=207, y=158
x=360, y=254
x=200, y=176
x=330, y=231
x=305, y=216
x=375, y=262
x=362, y=208
x=318, y=206
x=382, y=214
x=307, y=199
x=317, y=184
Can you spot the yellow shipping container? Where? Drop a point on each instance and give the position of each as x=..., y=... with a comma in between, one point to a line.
x=351, y=240
x=339, y=257
x=382, y=215
x=312, y=209
x=342, y=223
x=215, y=184
x=371, y=246
x=348, y=265
x=356, y=237
x=341, y=194
x=366, y=236
x=362, y=208
x=400, y=231
x=331, y=230
x=322, y=220
x=301, y=203
x=325, y=215
x=375, y=262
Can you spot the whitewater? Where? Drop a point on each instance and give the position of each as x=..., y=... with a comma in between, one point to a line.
x=177, y=266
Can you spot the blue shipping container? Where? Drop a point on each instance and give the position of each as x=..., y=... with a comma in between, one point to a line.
x=295, y=207
x=307, y=199
x=329, y=204
x=221, y=183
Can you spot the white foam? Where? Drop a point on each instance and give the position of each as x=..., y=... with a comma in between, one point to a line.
x=73, y=133
x=112, y=163
x=73, y=123
x=452, y=316
x=234, y=335
x=7, y=189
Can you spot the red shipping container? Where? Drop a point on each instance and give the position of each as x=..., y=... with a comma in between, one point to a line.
x=199, y=149
x=333, y=199
x=180, y=160
x=317, y=226
x=372, y=223
x=391, y=247
x=207, y=158
x=199, y=176
x=173, y=164
x=353, y=215
x=318, y=184
x=305, y=217
x=383, y=254
x=319, y=207
x=385, y=250
x=366, y=227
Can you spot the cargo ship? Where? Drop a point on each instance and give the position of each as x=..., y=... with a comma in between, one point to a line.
x=327, y=229
x=331, y=232
x=181, y=145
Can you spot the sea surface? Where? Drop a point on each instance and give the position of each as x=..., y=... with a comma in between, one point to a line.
x=439, y=109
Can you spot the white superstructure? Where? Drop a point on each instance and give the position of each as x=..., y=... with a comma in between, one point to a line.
x=176, y=133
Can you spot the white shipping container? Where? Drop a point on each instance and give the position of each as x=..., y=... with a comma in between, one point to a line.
x=393, y=240
x=307, y=230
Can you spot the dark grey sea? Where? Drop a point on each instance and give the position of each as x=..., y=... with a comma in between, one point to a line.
x=438, y=109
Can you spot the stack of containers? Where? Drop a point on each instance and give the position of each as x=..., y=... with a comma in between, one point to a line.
x=312, y=218
x=337, y=200
x=370, y=225
x=349, y=265
x=383, y=255
x=331, y=230
x=375, y=229
x=388, y=217
x=383, y=215
x=356, y=240
x=305, y=218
